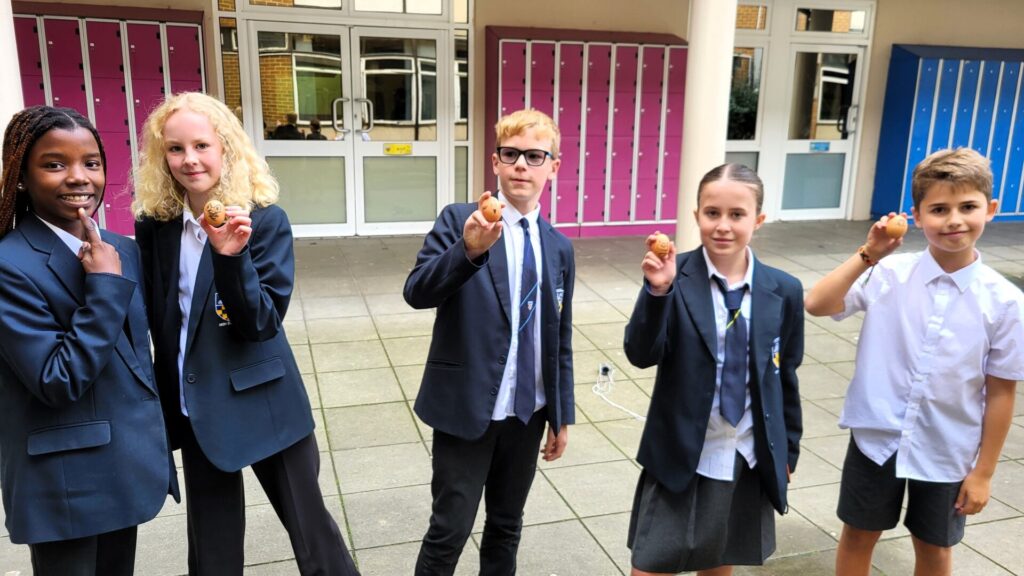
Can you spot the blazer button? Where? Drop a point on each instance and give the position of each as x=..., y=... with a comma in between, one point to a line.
x=771, y=445
x=767, y=416
x=501, y=360
x=494, y=391
x=191, y=379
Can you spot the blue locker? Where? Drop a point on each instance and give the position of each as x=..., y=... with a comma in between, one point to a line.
x=941, y=96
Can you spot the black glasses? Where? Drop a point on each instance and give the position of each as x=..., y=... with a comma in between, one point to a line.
x=534, y=157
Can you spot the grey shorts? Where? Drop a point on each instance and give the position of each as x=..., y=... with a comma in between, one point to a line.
x=871, y=498
x=712, y=523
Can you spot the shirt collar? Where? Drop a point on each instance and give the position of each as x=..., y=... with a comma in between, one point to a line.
x=75, y=244
x=511, y=216
x=748, y=276
x=930, y=270
x=191, y=224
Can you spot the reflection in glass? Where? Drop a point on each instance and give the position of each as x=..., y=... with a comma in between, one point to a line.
x=226, y=5
x=400, y=84
x=824, y=20
x=336, y=4
x=461, y=85
x=400, y=189
x=232, y=80
x=751, y=17
x=813, y=181
x=312, y=188
x=745, y=93
x=300, y=81
x=823, y=86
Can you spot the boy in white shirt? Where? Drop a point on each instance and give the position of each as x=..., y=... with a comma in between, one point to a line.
x=940, y=351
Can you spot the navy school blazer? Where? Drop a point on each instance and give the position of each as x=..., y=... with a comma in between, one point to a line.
x=83, y=448
x=677, y=332
x=245, y=397
x=472, y=331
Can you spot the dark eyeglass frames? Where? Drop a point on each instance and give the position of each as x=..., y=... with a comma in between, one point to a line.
x=534, y=157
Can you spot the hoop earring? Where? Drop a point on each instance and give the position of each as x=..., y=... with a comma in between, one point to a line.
x=20, y=187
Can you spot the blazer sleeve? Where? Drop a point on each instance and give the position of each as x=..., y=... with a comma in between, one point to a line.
x=442, y=266
x=144, y=240
x=58, y=365
x=647, y=331
x=256, y=284
x=565, y=366
x=792, y=356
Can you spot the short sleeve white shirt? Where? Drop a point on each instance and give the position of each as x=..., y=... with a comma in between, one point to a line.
x=928, y=341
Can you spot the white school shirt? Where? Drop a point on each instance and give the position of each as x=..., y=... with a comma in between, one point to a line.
x=928, y=340
x=722, y=441
x=193, y=240
x=512, y=236
x=69, y=240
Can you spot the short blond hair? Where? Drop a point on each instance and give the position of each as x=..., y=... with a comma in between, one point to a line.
x=520, y=121
x=245, y=178
x=961, y=168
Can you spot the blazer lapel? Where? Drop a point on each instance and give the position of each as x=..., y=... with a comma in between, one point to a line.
x=497, y=264
x=696, y=295
x=137, y=327
x=200, y=295
x=62, y=262
x=766, y=319
x=549, y=302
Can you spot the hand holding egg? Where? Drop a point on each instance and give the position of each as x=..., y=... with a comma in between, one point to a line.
x=215, y=213
x=896, y=226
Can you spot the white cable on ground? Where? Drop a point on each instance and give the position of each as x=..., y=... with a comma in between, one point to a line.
x=603, y=386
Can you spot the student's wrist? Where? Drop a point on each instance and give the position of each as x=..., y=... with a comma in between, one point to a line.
x=867, y=257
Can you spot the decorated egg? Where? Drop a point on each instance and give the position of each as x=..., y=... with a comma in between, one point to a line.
x=215, y=214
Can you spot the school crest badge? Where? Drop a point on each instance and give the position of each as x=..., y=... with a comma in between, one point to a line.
x=220, y=310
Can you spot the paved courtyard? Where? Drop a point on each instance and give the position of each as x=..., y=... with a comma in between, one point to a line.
x=362, y=351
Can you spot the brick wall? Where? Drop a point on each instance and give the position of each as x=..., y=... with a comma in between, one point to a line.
x=277, y=87
x=751, y=17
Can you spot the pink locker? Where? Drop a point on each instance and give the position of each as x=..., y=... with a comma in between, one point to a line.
x=110, y=107
x=513, y=76
x=568, y=179
x=183, y=58
x=673, y=132
x=105, y=56
x=542, y=77
x=652, y=71
x=117, y=198
x=570, y=89
x=621, y=194
x=29, y=60
x=64, y=56
x=598, y=75
x=593, y=200
x=597, y=138
x=147, y=78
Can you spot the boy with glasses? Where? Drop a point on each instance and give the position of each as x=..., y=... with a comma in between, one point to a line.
x=500, y=361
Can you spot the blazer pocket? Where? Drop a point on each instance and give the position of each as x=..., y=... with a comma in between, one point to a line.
x=259, y=373
x=70, y=437
x=444, y=364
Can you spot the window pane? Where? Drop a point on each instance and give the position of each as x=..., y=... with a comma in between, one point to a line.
x=229, y=65
x=299, y=84
x=378, y=5
x=461, y=9
x=400, y=189
x=226, y=5
x=751, y=17
x=312, y=189
x=822, y=93
x=461, y=85
x=744, y=96
x=335, y=4
x=461, y=174
x=823, y=20
x=399, y=76
x=813, y=181
x=748, y=159
x=423, y=6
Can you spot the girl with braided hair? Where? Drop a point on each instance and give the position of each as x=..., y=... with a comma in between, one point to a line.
x=83, y=451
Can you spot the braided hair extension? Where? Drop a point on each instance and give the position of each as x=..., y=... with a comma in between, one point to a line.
x=23, y=131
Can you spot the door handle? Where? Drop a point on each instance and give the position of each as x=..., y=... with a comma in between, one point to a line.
x=849, y=125
x=334, y=116
x=368, y=119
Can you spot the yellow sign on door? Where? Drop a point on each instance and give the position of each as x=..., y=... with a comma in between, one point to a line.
x=398, y=149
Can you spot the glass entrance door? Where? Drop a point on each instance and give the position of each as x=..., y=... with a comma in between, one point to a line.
x=822, y=121
x=401, y=135
x=349, y=125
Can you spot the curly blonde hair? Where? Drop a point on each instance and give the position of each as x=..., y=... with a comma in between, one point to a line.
x=245, y=177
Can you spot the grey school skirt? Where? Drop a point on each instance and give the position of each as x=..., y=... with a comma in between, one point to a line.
x=712, y=523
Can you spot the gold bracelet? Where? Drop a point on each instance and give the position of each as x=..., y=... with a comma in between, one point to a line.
x=863, y=253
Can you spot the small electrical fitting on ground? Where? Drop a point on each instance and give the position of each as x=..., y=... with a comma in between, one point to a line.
x=604, y=385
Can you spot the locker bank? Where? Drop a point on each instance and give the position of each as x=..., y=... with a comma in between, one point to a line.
x=374, y=114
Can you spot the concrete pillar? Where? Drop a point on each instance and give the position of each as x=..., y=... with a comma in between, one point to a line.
x=11, y=99
x=706, y=115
